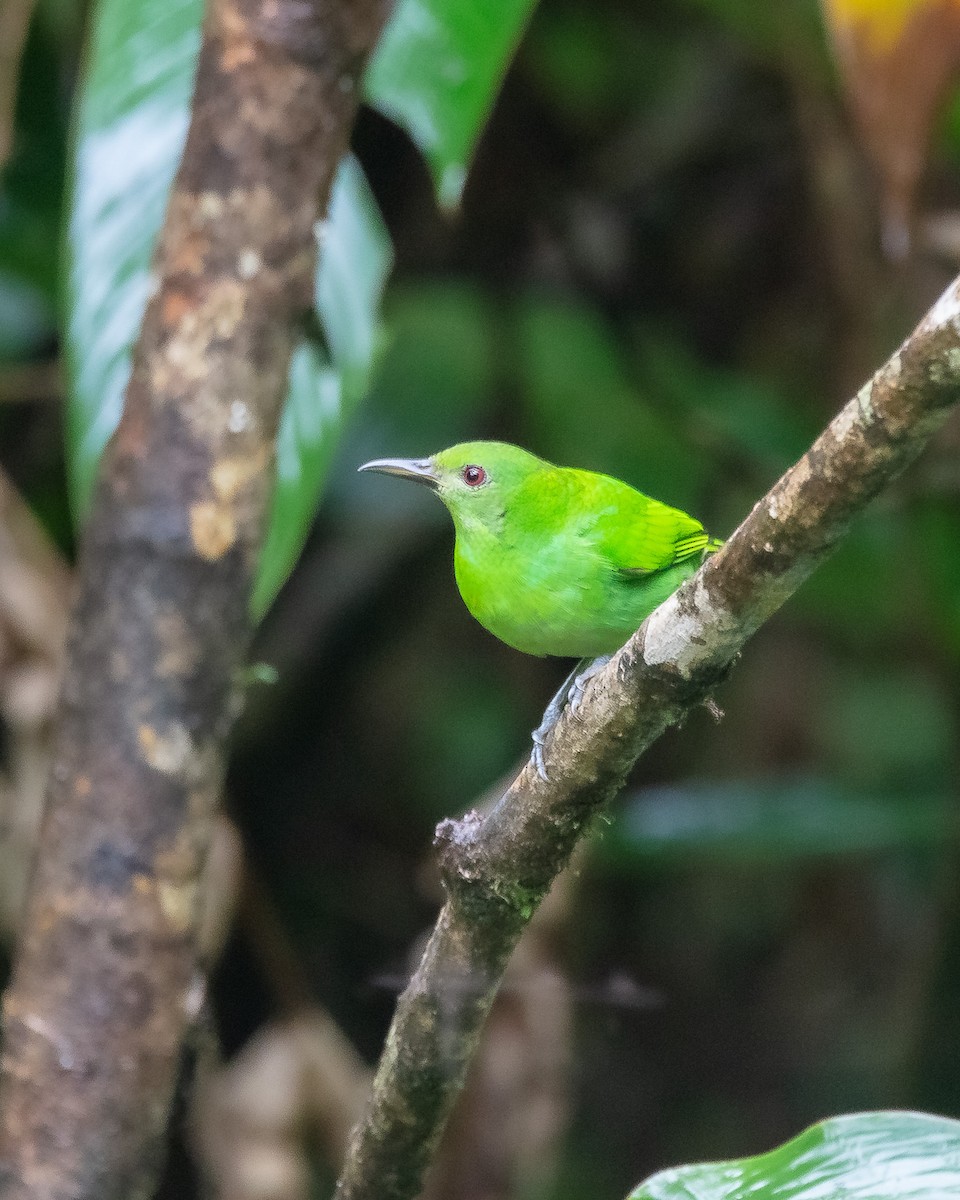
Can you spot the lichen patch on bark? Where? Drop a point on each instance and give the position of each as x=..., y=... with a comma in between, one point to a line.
x=230, y=475
x=213, y=529
x=171, y=752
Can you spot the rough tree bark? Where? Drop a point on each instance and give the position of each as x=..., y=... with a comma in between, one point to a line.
x=107, y=978
x=497, y=869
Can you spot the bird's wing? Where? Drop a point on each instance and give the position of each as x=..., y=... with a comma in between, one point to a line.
x=635, y=533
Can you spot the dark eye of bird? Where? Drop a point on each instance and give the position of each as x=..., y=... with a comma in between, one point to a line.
x=473, y=475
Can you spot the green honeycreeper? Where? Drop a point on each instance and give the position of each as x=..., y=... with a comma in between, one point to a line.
x=554, y=560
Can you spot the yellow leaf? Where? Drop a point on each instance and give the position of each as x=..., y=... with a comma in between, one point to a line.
x=881, y=22
x=897, y=59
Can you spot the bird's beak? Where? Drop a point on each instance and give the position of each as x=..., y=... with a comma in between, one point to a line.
x=420, y=470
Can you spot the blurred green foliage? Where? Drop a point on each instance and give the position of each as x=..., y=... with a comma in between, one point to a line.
x=31, y=197
x=777, y=820
x=641, y=279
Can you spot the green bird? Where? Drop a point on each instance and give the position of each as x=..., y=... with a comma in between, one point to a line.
x=554, y=560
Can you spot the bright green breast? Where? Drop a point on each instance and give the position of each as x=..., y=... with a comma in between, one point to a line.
x=551, y=591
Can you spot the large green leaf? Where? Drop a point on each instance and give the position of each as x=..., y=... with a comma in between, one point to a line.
x=436, y=72
x=309, y=429
x=132, y=123
x=355, y=260
x=869, y=1156
x=325, y=387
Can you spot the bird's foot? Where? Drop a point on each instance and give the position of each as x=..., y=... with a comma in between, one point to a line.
x=537, y=756
x=570, y=692
x=551, y=716
x=582, y=678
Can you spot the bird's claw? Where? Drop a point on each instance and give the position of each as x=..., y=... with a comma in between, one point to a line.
x=537, y=756
x=581, y=679
x=570, y=693
x=575, y=695
x=540, y=734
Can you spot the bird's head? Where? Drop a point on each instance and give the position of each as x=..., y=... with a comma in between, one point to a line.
x=475, y=480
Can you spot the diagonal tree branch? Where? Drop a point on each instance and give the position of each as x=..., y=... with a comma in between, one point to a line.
x=497, y=869
x=107, y=978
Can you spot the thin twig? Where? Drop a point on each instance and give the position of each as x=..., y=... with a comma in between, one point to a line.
x=497, y=869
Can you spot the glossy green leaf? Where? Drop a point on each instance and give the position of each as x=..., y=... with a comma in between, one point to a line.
x=436, y=72
x=309, y=428
x=355, y=260
x=867, y=1156
x=773, y=821
x=356, y=256
x=131, y=127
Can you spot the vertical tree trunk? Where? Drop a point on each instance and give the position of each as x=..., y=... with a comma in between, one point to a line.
x=107, y=978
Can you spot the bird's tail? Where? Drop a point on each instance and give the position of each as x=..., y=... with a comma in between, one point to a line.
x=712, y=546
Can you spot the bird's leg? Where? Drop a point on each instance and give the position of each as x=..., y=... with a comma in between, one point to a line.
x=570, y=691
x=551, y=716
x=581, y=678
